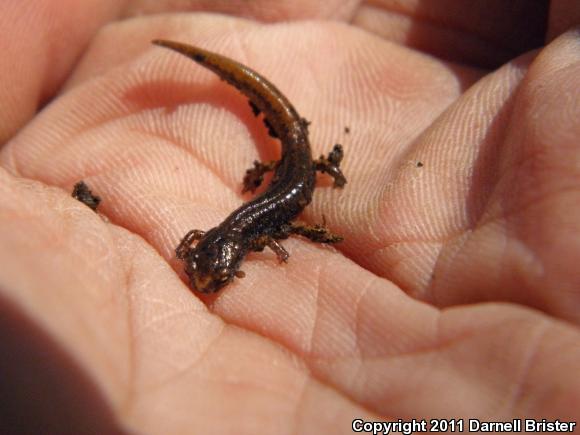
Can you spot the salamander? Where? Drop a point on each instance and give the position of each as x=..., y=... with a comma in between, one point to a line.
x=216, y=258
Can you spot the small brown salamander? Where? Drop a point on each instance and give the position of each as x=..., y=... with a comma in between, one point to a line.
x=261, y=222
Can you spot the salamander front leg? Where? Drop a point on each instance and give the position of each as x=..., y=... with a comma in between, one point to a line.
x=260, y=243
x=279, y=250
x=255, y=176
x=185, y=244
x=331, y=164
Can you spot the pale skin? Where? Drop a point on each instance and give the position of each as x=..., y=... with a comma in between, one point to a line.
x=456, y=292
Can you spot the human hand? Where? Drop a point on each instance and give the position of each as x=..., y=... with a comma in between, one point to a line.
x=455, y=196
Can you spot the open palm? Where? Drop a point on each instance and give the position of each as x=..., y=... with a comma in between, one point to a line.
x=456, y=292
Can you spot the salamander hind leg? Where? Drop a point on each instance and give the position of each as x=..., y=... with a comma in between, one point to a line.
x=255, y=176
x=317, y=233
x=331, y=165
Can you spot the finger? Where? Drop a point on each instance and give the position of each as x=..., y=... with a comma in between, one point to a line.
x=495, y=195
x=423, y=204
x=484, y=34
x=36, y=58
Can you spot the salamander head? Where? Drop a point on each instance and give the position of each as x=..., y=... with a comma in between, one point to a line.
x=213, y=262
